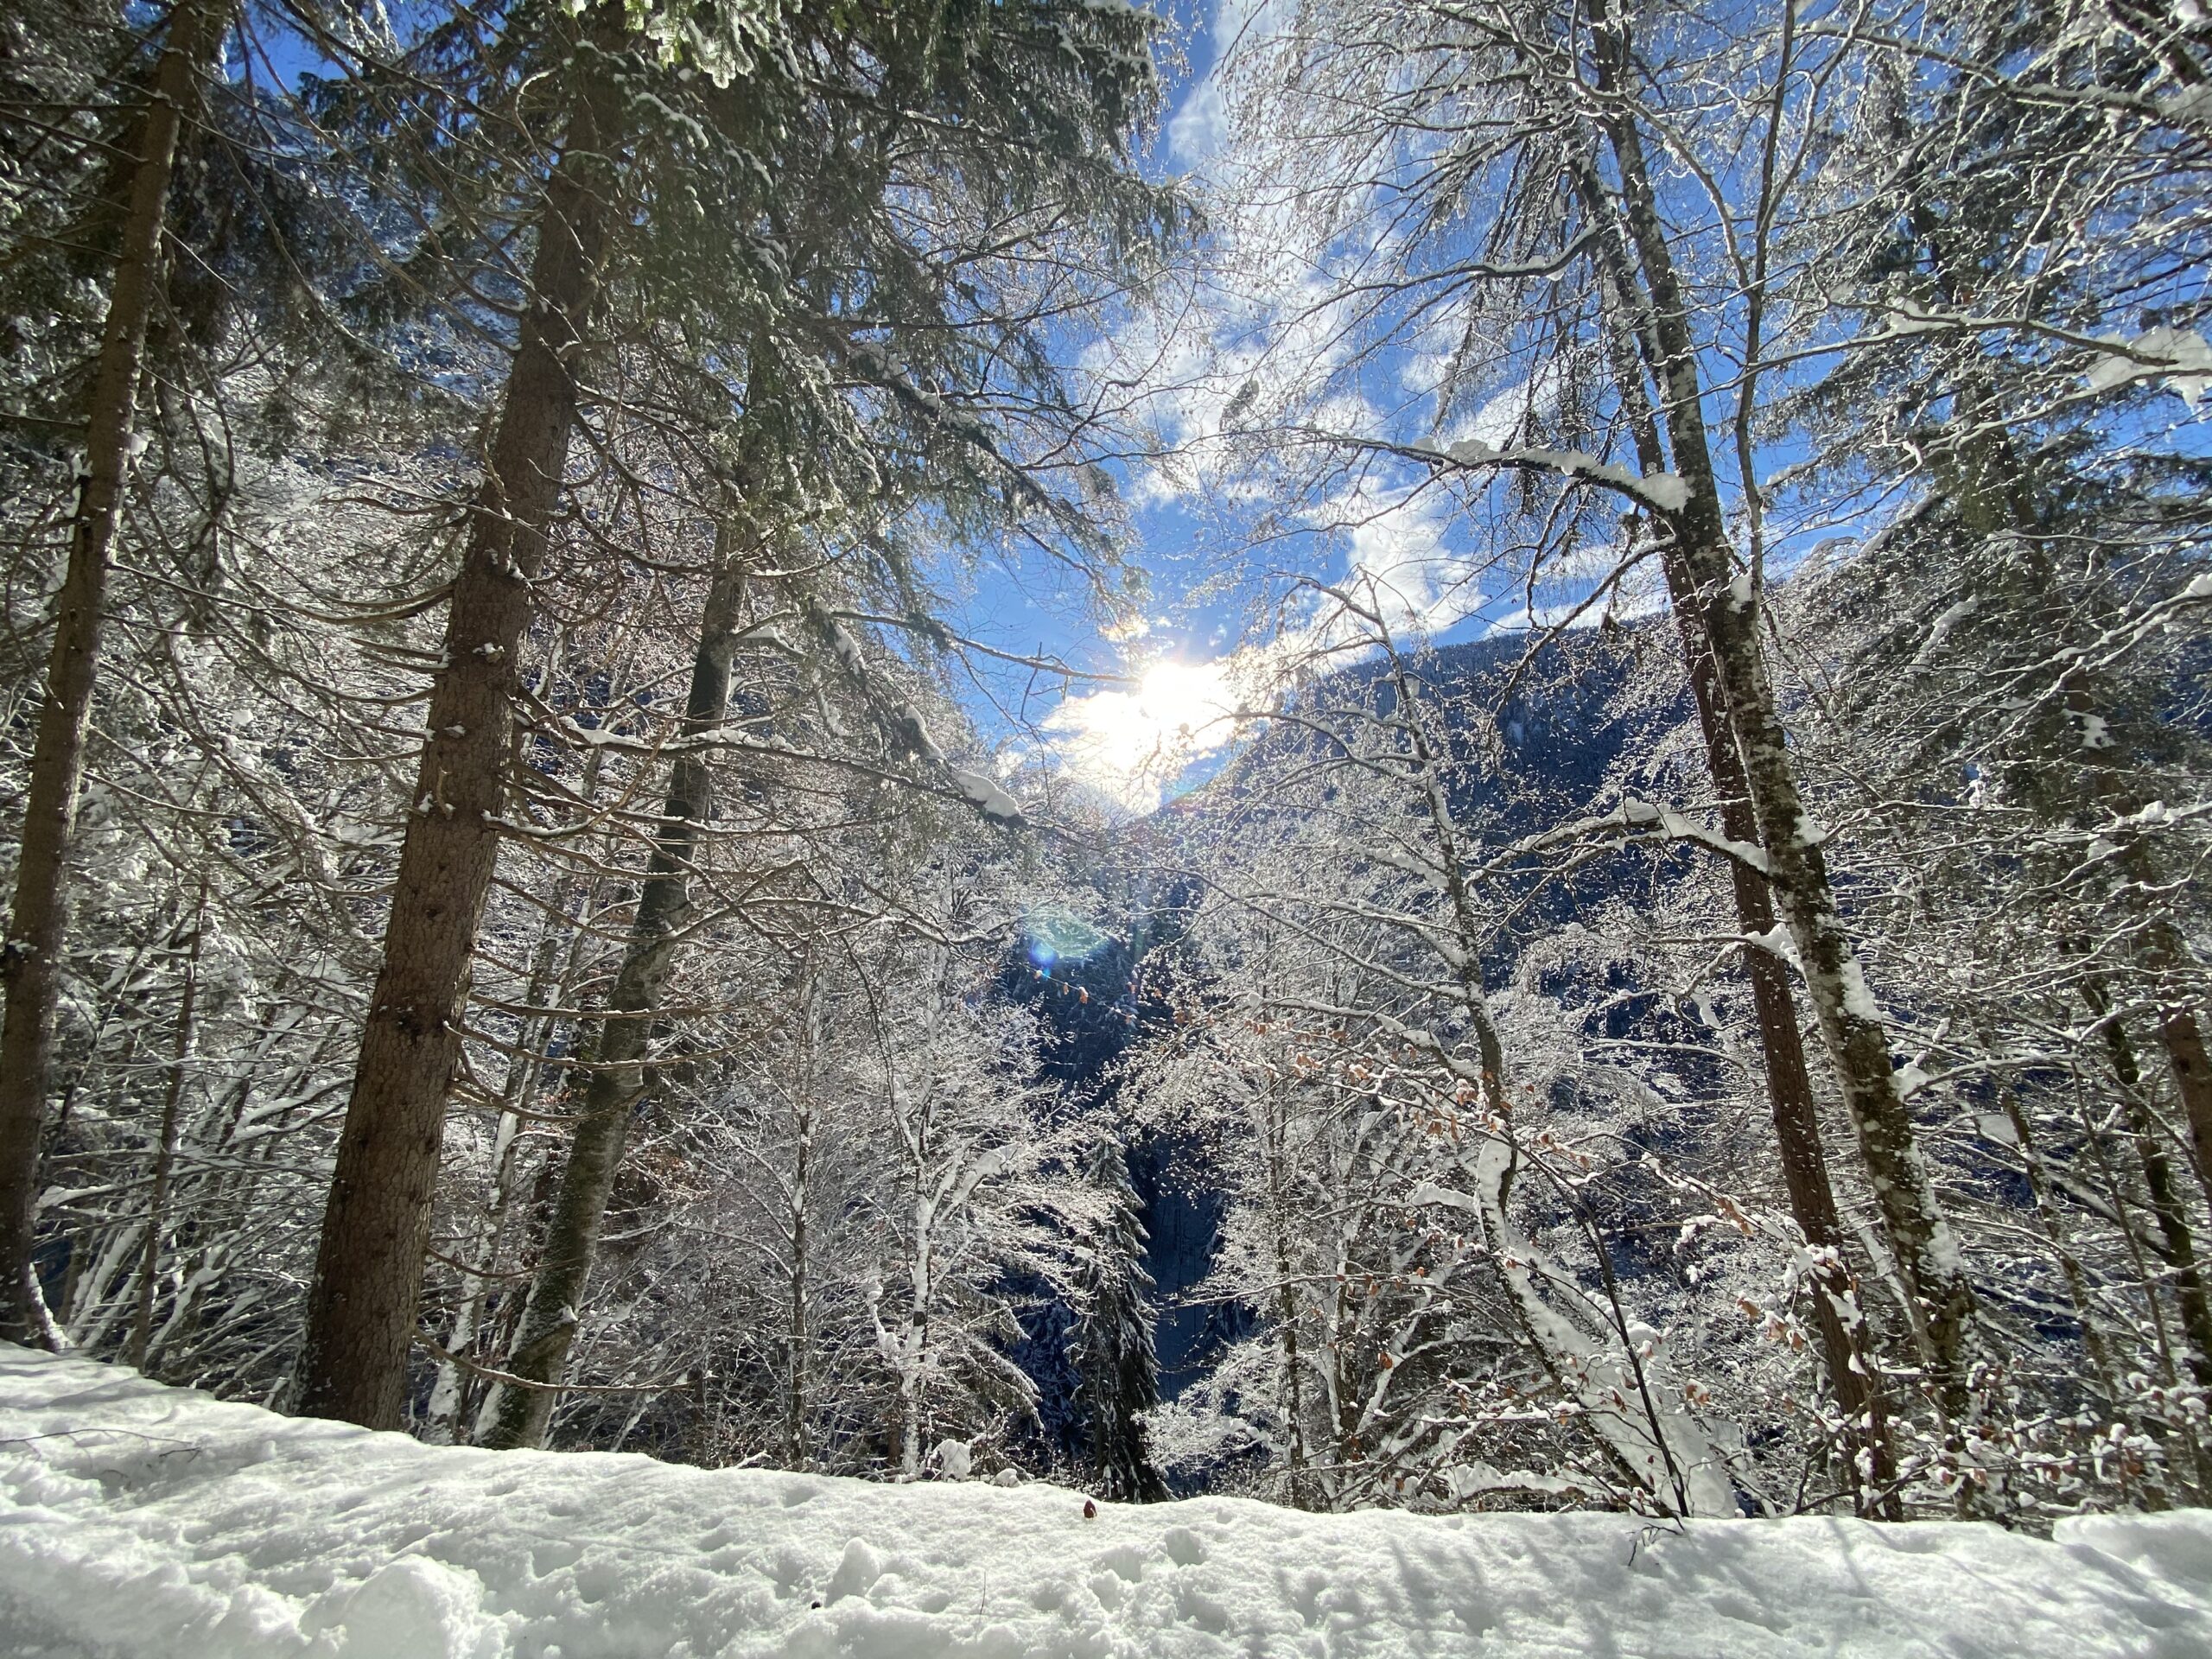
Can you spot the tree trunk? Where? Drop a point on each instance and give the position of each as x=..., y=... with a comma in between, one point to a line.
x=796, y=1377
x=38, y=926
x=2167, y=1206
x=618, y=1075
x=448, y=1410
x=1844, y=1335
x=142, y=1318
x=368, y=1274
x=2185, y=1041
x=1845, y=1341
x=1726, y=606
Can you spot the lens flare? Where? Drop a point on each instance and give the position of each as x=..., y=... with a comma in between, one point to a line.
x=1054, y=934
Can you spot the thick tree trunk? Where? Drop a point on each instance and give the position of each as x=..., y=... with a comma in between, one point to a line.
x=1728, y=610
x=38, y=925
x=368, y=1276
x=617, y=1076
x=795, y=1377
x=2185, y=1041
x=448, y=1410
x=799, y=1371
x=1844, y=1335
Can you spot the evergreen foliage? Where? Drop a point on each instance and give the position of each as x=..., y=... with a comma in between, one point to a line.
x=551, y=909
x=1112, y=1346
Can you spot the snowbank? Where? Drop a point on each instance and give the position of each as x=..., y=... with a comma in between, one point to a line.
x=140, y=1519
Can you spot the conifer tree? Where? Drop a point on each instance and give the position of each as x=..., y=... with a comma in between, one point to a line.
x=1112, y=1347
x=37, y=927
x=663, y=213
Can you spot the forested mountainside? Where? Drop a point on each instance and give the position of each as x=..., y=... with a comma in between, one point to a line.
x=1559, y=719
x=722, y=737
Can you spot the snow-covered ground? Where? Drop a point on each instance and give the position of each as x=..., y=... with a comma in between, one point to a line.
x=140, y=1519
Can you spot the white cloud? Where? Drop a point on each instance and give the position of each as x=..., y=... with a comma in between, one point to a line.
x=1504, y=420
x=1198, y=129
x=1400, y=563
x=1131, y=743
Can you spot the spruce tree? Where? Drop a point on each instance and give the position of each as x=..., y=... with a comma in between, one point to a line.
x=30, y=969
x=1113, y=1346
x=928, y=148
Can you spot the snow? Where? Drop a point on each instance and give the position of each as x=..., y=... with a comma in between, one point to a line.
x=2153, y=351
x=1667, y=491
x=986, y=796
x=1857, y=1000
x=1638, y=814
x=1777, y=941
x=138, y=1520
x=1903, y=316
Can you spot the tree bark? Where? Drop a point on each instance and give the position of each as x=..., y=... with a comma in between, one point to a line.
x=795, y=1377
x=618, y=1078
x=2167, y=1206
x=448, y=1409
x=799, y=1371
x=2192, y=1069
x=38, y=925
x=361, y=1306
x=142, y=1318
x=1844, y=1334
x=1728, y=608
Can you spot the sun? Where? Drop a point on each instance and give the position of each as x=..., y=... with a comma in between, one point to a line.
x=1133, y=742
x=1176, y=698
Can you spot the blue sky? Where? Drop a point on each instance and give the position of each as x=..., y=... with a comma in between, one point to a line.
x=1023, y=602
x=1025, y=605
x=1205, y=612
x=1208, y=587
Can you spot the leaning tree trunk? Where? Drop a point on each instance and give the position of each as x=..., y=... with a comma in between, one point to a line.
x=2185, y=1041
x=2165, y=951
x=617, y=1077
x=1844, y=1334
x=368, y=1274
x=38, y=926
x=797, y=1341
x=2193, y=1079
x=1845, y=1339
x=2167, y=1206
x=1727, y=609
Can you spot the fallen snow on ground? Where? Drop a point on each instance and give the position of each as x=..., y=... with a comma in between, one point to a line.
x=140, y=1520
